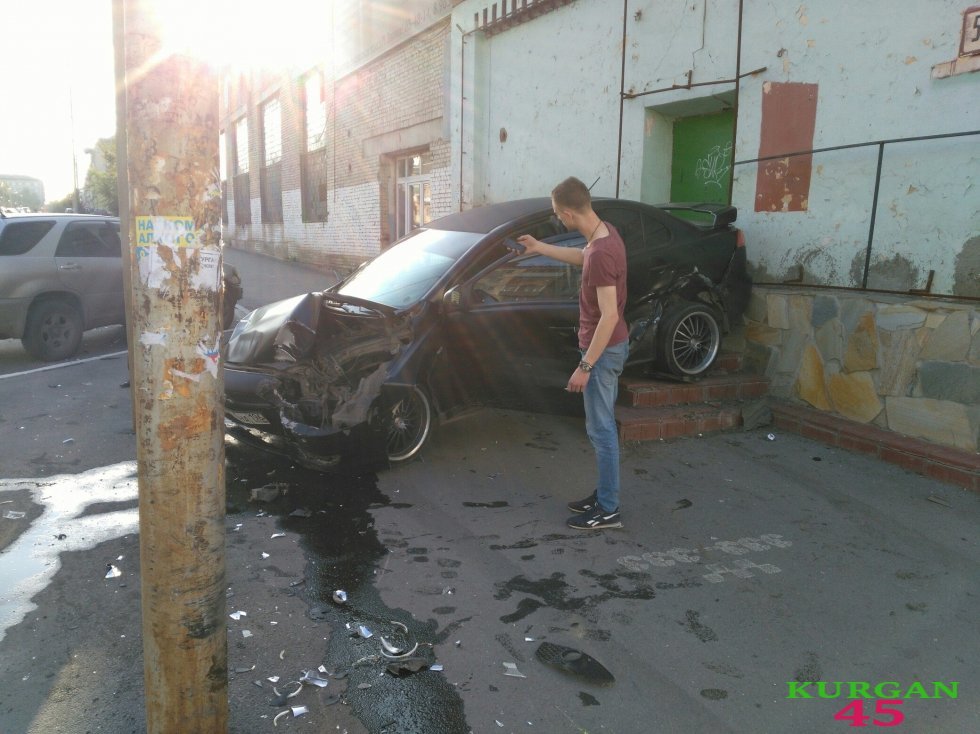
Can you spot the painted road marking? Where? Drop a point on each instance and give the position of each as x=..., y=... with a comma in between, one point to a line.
x=741, y=568
x=62, y=364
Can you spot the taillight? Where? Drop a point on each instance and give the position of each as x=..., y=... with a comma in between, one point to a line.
x=739, y=238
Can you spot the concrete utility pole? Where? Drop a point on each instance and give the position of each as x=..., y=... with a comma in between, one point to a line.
x=174, y=231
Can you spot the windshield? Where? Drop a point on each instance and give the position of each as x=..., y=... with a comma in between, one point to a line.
x=401, y=275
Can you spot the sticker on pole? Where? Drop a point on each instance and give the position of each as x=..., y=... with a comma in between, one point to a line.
x=167, y=244
x=169, y=231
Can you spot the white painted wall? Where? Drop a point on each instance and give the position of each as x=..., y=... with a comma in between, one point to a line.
x=873, y=65
x=553, y=83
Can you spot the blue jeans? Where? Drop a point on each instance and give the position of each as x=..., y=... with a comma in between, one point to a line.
x=600, y=421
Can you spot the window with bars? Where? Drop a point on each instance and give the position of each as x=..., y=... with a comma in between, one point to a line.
x=271, y=132
x=413, y=192
x=241, y=146
x=314, y=170
x=240, y=184
x=223, y=174
x=315, y=109
x=270, y=177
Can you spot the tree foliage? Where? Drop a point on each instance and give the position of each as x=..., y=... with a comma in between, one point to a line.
x=16, y=194
x=100, y=192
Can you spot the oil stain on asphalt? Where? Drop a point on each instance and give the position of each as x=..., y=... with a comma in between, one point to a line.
x=343, y=552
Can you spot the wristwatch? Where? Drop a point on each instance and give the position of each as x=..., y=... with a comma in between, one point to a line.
x=585, y=366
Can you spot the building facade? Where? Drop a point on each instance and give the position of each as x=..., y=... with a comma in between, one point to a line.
x=783, y=109
x=845, y=136
x=331, y=163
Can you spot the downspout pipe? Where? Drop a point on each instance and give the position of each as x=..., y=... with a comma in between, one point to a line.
x=622, y=98
x=738, y=86
x=462, y=100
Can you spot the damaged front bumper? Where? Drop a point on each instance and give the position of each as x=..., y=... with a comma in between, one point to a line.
x=253, y=415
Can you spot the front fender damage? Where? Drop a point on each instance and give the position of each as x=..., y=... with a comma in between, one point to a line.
x=324, y=383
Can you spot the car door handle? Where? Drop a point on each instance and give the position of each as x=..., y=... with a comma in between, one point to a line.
x=70, y=266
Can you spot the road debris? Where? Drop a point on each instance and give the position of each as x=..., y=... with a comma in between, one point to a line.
x=364, y=632
x=681, y=505
x=313, y=678
x=301, y=512
x=237, y=615
x=771, y=436
x=14, y=515
x=401, y=668
x=939, y=500
x=111, y=572
x=246, y=633
x=269, y=492
x=277, y=535
x=574, y=662
x=510, y=669
x=340, y=596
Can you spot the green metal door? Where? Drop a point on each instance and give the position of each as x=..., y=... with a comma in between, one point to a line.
x=702, y=158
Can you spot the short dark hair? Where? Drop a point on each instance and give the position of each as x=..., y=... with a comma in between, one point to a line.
x=572, y=194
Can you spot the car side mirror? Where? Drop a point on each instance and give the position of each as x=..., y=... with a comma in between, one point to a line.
x=453, y=298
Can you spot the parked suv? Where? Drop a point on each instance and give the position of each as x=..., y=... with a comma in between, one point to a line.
x=61, y=274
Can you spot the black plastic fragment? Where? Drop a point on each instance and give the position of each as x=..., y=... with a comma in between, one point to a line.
x=574, y=662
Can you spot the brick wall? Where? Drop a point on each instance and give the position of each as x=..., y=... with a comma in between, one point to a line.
x=396, y=92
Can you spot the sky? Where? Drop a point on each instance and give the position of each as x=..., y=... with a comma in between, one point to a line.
x=56, y=56
x=56, y=63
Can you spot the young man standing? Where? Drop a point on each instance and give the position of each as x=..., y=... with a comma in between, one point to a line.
x=603, y=341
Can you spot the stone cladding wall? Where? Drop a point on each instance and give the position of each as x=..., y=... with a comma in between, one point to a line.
x=909, y=365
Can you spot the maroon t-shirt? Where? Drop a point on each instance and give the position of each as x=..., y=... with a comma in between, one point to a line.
x=604, y=264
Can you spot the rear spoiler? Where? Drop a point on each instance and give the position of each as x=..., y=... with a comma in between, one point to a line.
x=721, y=215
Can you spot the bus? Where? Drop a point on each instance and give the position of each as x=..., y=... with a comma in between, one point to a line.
x=21, y=193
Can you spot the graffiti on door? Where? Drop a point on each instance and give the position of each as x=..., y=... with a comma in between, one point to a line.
x=714, y=167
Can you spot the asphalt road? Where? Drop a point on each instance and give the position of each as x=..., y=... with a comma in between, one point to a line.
x=747, y=565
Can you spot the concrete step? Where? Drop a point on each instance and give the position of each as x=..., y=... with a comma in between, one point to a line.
x=639, y=392
x=674, y=421
x=651, y=409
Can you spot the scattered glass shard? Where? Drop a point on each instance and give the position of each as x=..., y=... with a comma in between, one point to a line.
x=340, y=596
x=277, y=535
x=111, y=572
x=313, y=678
x=511, y=670
x=237, y=615
x=437, y=667
x=364, y=632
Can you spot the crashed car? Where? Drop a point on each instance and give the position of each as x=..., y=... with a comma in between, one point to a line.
x=449, y=317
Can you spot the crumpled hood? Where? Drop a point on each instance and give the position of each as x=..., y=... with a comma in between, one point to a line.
x=284, y=330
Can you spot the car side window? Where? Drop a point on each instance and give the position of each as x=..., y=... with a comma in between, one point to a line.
x=627, y=222
x=18, y=238
x=88, y=239
x=532, y=277
x=656, y=235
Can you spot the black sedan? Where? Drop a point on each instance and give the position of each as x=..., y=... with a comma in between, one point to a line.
x=449, y=317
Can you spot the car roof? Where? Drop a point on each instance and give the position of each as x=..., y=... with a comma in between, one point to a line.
x=54, y=215
x=485, y=219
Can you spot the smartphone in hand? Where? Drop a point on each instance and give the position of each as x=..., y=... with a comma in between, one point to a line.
x=514, y=245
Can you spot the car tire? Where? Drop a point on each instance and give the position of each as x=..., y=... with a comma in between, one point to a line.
x=53, y=330
x=690, y=339
x=408, y=422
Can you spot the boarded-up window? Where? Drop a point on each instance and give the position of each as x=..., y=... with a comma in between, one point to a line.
x=789, y=113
